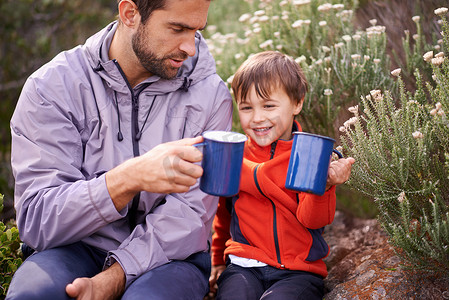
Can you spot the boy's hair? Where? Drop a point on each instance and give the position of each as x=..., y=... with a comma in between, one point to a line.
x=268, y=70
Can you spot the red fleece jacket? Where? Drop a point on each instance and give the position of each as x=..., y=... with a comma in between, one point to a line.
x=269, y=223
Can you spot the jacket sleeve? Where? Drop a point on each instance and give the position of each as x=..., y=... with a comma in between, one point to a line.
x=221, y=225
x=181, y=226
x=55, y=203
x=315, y=211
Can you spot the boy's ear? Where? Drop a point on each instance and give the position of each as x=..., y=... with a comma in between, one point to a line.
x=298, y=106
x=128, y=13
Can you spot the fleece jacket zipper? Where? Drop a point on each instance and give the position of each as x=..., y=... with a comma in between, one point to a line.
x=275, y=232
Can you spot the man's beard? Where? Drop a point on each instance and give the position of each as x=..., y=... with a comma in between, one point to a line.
x=149, y=60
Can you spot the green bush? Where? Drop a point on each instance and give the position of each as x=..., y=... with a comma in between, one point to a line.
x=10, y=254
x=402, y=154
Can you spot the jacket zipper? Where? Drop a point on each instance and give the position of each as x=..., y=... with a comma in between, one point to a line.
x=275, y=232
x=132, y=214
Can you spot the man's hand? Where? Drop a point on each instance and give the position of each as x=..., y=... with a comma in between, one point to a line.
x=107, y=285
x=167, y=168
x=339, y=171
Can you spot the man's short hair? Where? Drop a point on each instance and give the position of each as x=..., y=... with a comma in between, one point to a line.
x=266, y=71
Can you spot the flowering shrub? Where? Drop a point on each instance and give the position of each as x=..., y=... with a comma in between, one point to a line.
x=402, y=154
x=339, y=61
x=10, y=255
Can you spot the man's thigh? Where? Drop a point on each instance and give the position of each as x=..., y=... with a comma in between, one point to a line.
x=45, y=274
x=238, y=283
x=187, y=279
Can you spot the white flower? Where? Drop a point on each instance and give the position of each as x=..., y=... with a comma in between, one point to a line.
x=346, y=38
x=327, y=59
x=438, y=105
x=401, y=197
x=322, y=23
x=300, y=2
x=376, y=60
x=328, y=92
x=440, y=11
x=279, y=47
x=350, y=122
x=415, y=37
x=355, y=56
x=439, y=54
x=307, y=22
x=300, y=59
x=259, y=13
x=319, y=62
x=245, y=17
x=263, y=19
x=356, y=37
x=257, y=30
x=326, y=49
x=437, y=47
x=284, y=17
x=338, y=6
x=396, y=72
x=297, y=23
x=428, y=56
x=416, y=19
x=325, y=7
x=283, y=3
x=354, y=109
x=434, y=77
x=373, y=22
x=338, y=45
x=342, y=129
x=437, y=61
x=417, y=135
x=266, y=44
x=366, y=57
x=229, y=80
x=433, y=111
x=277, y=34
x=238, y=56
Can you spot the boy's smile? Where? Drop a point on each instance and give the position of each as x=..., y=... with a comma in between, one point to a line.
x=267, y=120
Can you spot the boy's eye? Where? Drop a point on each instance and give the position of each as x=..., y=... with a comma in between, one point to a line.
x=268, y=106
x=244, y=107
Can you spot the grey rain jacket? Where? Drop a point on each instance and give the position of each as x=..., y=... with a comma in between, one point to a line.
x=65, y=136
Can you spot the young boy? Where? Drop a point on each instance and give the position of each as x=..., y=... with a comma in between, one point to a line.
x=270, y=237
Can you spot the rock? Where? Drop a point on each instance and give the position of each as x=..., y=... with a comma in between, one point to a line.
x=365, y=266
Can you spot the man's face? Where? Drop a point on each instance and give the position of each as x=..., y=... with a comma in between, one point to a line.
x=168, y=36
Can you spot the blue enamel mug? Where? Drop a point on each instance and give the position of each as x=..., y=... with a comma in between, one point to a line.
x=222, y=162
x=309, y=163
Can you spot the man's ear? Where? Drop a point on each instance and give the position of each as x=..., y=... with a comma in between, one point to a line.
x=298, y=106
x=128, y=13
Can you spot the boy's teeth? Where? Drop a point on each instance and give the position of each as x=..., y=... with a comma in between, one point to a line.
x=262, y=129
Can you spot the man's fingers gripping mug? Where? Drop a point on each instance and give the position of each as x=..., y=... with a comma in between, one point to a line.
x=222, y=162
x=309, y=163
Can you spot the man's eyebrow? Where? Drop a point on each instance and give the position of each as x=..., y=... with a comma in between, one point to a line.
x=186, y=26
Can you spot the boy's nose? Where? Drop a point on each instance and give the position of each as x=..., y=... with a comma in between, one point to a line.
x=258, y=116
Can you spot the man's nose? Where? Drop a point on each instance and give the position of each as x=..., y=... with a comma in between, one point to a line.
x=188, y=45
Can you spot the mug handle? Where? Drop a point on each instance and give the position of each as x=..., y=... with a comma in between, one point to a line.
x=338, y=153
x=204, y=144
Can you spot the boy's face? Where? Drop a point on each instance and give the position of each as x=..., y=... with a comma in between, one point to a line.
x=267, y=120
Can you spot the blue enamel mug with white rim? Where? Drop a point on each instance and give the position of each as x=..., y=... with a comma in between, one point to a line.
x=309, y=162
x=222, y=162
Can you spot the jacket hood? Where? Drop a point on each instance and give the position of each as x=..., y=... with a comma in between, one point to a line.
x=194, y=69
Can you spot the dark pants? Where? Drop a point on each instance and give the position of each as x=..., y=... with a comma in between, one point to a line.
x=44, y=275
x=265, y=283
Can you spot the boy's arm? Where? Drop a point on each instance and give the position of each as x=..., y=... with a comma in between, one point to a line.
x=318, y=211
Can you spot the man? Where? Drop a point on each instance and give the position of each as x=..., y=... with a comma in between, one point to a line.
x=106, y=174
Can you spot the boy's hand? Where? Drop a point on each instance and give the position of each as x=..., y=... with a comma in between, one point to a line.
x=215, y=273
x=339, y=171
